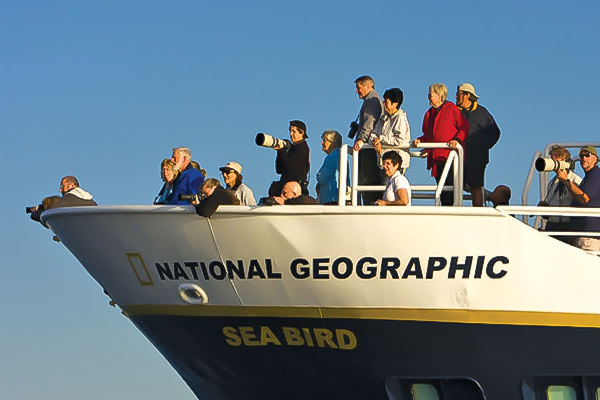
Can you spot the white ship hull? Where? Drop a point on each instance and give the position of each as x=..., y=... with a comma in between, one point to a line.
x=345, y=302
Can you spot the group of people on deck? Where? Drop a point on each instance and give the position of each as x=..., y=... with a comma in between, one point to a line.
x=383, y=125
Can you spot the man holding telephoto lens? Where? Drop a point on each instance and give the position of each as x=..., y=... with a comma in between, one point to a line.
x=587, y=194
x=293, y=162
x=557, y=194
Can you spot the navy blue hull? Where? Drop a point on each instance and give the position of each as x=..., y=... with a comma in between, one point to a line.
x=234, y=358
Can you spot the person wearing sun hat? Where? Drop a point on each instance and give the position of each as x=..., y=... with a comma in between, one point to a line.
x=482, y=136
x=586, y=195
x=232, y=175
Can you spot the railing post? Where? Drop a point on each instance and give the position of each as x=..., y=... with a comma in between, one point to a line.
x=354, y=177
x=444, y=177
x=458, y=175
x=342, y=188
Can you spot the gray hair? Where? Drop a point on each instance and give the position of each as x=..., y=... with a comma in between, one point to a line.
x=333, y=137
x=440, y=89
x=184, y=151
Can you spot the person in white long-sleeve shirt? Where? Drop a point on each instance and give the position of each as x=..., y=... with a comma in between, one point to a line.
x=392, y=131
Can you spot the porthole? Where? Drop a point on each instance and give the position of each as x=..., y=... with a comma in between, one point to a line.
x=192, y=294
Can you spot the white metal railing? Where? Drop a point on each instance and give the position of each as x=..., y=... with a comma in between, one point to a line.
x=539, y=212
x=455, y=159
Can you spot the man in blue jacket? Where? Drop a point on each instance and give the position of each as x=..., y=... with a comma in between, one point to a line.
x=482, y=136
x=587, y=194
x=189, y=180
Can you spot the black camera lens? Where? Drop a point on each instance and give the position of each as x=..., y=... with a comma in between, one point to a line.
x=186, y=197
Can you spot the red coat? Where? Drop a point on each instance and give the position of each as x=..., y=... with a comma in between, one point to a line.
x=442, y=125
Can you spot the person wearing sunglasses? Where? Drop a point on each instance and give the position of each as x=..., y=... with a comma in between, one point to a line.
x=586, y=195
x=232, y=175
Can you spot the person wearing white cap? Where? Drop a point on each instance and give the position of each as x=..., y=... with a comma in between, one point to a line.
x=232, y=175
x=482, y=136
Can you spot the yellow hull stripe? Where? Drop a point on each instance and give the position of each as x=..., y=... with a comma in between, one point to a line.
x=391, y=314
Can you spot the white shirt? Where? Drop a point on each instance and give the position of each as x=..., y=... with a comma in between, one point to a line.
x=393, y=183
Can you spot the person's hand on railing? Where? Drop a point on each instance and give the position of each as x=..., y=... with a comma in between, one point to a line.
x=358, y=145
x=377, y=145
x=453, y=143
x=422, y=153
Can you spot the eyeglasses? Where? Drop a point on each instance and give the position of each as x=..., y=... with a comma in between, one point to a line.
x=227, y=172
x=584, y=155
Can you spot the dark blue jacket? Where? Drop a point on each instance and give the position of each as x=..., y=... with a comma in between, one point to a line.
x=483, y=134
x=189, y=181
x=590, y=185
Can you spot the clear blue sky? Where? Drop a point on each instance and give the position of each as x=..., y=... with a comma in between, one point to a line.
x=103, y=90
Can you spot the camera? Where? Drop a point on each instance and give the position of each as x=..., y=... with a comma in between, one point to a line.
x=29, y=210
x=353, y=129
x=266, y=140
x=187, y=197
x=548, y=164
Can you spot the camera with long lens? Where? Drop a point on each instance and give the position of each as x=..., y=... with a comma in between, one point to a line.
x=353, y=129
x=266, y=140
x=548, y=164
x=187, y=197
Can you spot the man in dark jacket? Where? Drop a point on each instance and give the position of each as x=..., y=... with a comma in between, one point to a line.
x=586, y=195
x=214, y=196
x=72, y=196
x=482, y=136
x=293, y=163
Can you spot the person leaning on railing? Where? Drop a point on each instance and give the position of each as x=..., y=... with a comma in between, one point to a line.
x=443, y=122
x=213, y=195
x=586, y=195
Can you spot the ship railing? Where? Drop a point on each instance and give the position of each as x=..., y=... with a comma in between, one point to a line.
x=455, y=160
x=527, y=212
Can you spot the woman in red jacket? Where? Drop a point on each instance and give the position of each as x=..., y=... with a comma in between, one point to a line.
x=443, y=122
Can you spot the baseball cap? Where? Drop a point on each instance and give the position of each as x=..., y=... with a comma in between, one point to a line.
x=467, y=87
x=232, y=165
x=590, y=149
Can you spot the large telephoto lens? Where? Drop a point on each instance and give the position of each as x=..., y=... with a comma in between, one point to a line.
x=260, y=139
x=548, y=164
